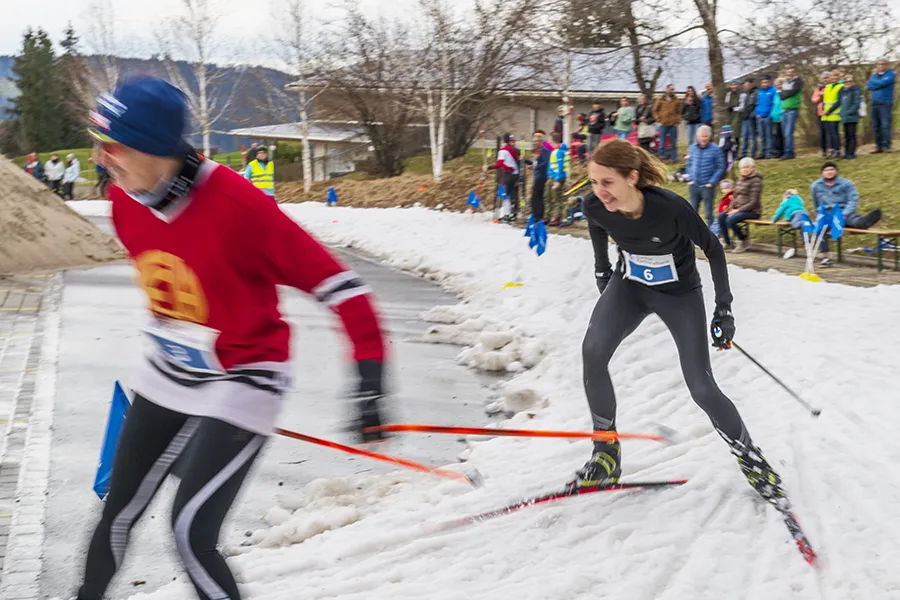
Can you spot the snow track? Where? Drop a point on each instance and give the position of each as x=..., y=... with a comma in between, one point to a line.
x=709, y=539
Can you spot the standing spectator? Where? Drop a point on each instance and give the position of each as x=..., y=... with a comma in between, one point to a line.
x=623, y=119
x=705, y=168
x=790, y=105
x=728, y=146
x=34, y=167
x=831, y=113
x=765, y=101
x=557, y=173
x=777, y=117
x=596, y=125
x=848, y=104
x=831, y=190
x=734, y=103
x=747, y=204
x=55, y=170
x=643, y=113
x=541, y=149
x=508, y=164
x=748, y=118
x=70, y=176
x=559, y=126
x=881, y=83
x=692, y=113
x=816, y=99
x=707, y=104
x=261, y=172
x=667, y=112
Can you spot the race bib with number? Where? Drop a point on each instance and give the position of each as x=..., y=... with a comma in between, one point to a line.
x=650, y=269
x=188, y=345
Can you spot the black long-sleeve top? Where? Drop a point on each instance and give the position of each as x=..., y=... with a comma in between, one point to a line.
x=668, y=226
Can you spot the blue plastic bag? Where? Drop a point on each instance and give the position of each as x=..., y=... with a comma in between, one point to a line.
x=332, y=197
x=118, y=410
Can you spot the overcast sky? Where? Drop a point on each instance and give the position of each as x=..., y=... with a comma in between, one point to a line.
x=246, y=23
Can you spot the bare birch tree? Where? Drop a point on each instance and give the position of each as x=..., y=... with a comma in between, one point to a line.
x=294, y=48
x=466, y=64
x=193, y=35
x=100, y=26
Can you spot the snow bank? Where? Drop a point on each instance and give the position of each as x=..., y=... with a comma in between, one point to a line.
x=709, y=539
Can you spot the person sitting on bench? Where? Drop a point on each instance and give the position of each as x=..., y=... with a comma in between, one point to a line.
x=747, y=204
x=832, y=190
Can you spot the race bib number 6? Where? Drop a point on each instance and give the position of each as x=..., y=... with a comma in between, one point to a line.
x=650, y=269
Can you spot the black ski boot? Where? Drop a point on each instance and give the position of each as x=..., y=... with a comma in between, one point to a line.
x=602, y=470
x=762, y=477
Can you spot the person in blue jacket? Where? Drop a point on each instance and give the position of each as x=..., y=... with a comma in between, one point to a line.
x=881, y=84
x=705, y=169
x=707, y=104
x=765, y=101
x=831, y=190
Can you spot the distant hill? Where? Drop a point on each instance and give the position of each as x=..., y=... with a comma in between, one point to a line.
x=257, y=93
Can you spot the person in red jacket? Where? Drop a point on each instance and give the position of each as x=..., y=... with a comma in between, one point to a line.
x=210, y=250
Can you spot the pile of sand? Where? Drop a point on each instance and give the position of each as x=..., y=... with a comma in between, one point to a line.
x=38, y=232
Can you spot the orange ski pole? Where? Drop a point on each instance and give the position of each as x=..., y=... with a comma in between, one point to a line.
x=593, y=435
x=469, y=479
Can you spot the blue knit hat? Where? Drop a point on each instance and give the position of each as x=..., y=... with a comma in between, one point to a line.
x=145, y=113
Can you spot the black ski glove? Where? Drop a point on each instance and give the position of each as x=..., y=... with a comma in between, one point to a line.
x=368, y=399
x=722, y=328
x=602, y=278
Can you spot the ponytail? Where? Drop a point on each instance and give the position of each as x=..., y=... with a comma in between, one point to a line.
x=624, y=158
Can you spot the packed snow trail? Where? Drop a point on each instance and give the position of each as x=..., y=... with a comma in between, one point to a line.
x=711, y=538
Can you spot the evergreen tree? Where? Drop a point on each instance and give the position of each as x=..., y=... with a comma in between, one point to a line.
x=37, y=109
x=74, y=100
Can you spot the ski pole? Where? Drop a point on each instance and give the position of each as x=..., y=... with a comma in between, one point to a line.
x=474, y=479
x=488, y=431
x=813, y=411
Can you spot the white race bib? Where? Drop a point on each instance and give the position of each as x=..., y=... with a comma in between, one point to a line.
x=650, y=269
x=188, y=345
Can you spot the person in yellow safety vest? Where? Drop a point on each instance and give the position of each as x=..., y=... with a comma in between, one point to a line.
x=558, y=173
x=832, y=120
x=261, y=172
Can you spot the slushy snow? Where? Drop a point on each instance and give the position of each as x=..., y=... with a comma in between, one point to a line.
x=364, y=538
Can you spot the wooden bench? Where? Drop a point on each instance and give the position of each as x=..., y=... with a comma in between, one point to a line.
x=891, y=236
x=782, y=228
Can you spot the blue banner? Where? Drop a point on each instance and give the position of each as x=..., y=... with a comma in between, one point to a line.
x=332, y=196
x=837, y=222
x=808, y=226
x=118, y=410
x=473, y=200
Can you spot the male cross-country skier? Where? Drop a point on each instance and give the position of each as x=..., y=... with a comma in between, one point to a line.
x=210, y=249
x=656, y=231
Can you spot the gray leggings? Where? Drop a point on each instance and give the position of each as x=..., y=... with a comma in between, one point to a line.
x=619, y=311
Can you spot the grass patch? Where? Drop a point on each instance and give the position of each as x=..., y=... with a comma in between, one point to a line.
x=229, y=159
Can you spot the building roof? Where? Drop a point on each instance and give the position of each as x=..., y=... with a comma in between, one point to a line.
x=318, y=132
x=613, y=71
x=608, y=72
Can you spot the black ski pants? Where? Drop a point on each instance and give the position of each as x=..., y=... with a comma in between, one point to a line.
x=621, y=308
x=213, y=460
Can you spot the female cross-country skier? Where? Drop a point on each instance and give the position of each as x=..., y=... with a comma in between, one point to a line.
x=655, y=231
x=210, y=250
